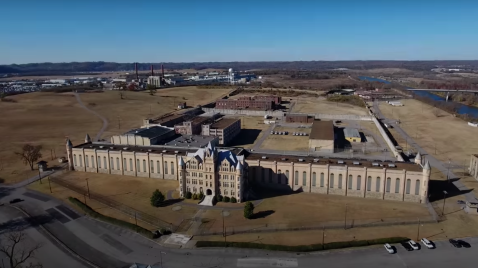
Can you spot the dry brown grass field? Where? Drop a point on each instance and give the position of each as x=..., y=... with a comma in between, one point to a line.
x=48, y=118
x=287, y=142
x=451, y=137
x=322, y=106
x=252, y=128
x=131, y=191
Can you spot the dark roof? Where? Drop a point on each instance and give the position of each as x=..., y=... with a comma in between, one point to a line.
x=166, y=118
x=224, y=123
x=151, y=132
x=335, y=161
x=322, y=130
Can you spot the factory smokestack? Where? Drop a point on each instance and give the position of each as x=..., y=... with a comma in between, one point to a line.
x=162, y=70
x=136, y=70
x=152, y=70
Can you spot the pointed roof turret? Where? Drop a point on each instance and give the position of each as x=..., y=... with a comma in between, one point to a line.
x=427, y=165
x=68, y=143
x=418, y=156
x=87, y=138
x=181, y=162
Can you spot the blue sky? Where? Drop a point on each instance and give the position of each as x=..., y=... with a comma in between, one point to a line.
x=261, y=30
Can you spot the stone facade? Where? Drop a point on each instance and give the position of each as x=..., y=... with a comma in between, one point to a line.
x=473, y=169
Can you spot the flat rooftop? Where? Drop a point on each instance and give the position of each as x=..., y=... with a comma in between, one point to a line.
x=379, y=164
x=200, y=119
x=160, y=120
x=224, y=123
x=191, y=141
x=351, y=133
x=150, y=132
x=322, y=130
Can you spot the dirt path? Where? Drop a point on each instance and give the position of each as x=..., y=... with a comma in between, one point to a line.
x=105, y=122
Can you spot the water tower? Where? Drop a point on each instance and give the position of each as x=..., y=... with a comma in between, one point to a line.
x=231, y=76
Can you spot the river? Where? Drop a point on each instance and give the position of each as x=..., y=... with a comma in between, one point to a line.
x=462, y=109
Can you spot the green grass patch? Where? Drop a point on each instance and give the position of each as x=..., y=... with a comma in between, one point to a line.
x=354, y=100
x=302, y=248
x=92, y=213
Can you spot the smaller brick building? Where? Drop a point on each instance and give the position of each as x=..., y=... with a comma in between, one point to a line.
x=226, y=129
x=252, y=103
x=299, y=118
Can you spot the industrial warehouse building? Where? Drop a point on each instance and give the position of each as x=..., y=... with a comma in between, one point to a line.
x=299, y=118
x=322, y=136
x=352, y=135
x=143, y=136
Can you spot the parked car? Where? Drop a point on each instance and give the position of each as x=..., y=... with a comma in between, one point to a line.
x=389, y=248
x=16, y=200
x=454, y=243
x=413, y=244
x=464, y=243
x=460, y=202
x=427, y=243
x=407, y=246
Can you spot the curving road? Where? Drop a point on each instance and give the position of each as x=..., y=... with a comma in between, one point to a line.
x=105, y=122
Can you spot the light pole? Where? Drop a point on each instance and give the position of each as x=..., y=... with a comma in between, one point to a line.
x=444, y=198
x=161, y=254
x=88, y=187
x=345, y=220
x=49, y=184
x=448, y=171
x=418, y=232
x=323, y=238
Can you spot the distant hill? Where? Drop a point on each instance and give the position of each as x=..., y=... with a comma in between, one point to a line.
x=100, y=66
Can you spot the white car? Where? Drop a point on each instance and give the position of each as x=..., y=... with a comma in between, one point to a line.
x=389, y=248
x=413, y=244
x=427, y=243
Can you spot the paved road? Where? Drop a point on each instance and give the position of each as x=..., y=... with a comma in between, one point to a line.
x=264, y=136
x=105, y=122
x=433, y=161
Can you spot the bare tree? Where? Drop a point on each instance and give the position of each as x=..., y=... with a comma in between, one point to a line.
x=16, y=250
x=30, y=154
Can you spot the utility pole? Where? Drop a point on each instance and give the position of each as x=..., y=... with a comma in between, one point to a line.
x=448, y=171
x=39, y=175
x=444, y=198
x=135, y=219
x=223, y=227
x=88, y=187
x=49, y=184
x=345, y=221
x=418, y=232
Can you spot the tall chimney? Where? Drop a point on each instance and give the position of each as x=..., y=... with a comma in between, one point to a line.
x=152, y=70
x=162, y=70
x=136, y=70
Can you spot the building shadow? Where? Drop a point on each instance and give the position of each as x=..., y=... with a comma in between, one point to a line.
x=437, y=188
x=362, y=137
x=170, y=202
x=20, y=224
x=4, y=191
x=262, y=214
x=263, y=191
x=245, y=136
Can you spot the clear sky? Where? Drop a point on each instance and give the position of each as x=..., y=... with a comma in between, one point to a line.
x=244, y=30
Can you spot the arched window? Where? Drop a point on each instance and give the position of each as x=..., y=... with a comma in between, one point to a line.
x=75, y=161
x=125, y=167
x=397, y=185
x=151, y=166
x=87, y=162
x=314, y=179
x=331, y=183
x=165, y=167
x=407, y=187
x=118, y=163
x=104, y=162
x=304, y=178
x=158, y=169
x=369, y=183
x=130, y=164
x=172, y=168
x=279, y=176
x=286, y=177
x=138, y=166
x=144, y=165
x=340, y=181
x=359, y=182
x=296, y=177
x=92, y=162
x=322, y=179
x=99, y=161
x=377, y=185
x=112, y=164
x=350, y=182
x=417, y=187
x=389, y=181
x=81, y=160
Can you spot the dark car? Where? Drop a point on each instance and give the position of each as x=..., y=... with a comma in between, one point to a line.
x=455, y=243
x=407, y=246
x=464, y=243
x=16, y=200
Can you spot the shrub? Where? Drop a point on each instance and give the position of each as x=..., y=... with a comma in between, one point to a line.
x=92, y=213
x=233, y=200
x=164, y=231
x=248, y=210
x=219, y=198
x=301, y=248
x=157, y=198
x=189, y=195
x=201, y=195
x=195, y=196
x=214, y=200
x=227, y=199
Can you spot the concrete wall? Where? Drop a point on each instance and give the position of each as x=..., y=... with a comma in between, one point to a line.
x=387, y=139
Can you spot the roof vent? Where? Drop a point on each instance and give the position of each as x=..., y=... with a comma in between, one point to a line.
x=356, y=163
x=391, y=165
x=264, y=157
x=149, y=150
x=283, y=159
x=375, y=164
x=101, y=147
x=164, y=151
x=112, y=148
x=176, y=152
x=340, y=162
x=125, y=148
x=301, y=160
x=316, y=160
